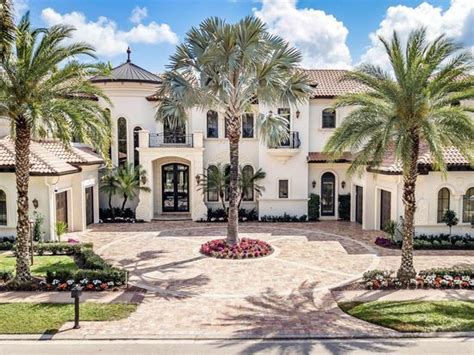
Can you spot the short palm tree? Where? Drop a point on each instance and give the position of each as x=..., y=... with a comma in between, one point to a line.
x=108, y=185
x=226, y=67
x=45, y=93
x=130, y=180
x=215, y=180
x=419, y=104
x=249, y=183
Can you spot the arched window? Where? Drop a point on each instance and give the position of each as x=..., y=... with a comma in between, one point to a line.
x=136, y=157
x=212, y=124
x=122, y=140
x=247, y=173
x=107, y=112
x=468, y=206
x=3, y=208
x=329, y=118
x=328, y=191
x=247, y=125
x=443, y=203
x=212, y=192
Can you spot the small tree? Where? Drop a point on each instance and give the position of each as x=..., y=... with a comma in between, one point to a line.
x=450, y=219
x=61, y=228
x=108, y=185
x=390, y=228
x=130, y=180
x=248, y=183
x=313, y=208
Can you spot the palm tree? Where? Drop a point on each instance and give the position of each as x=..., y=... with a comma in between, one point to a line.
x=7, y=27
x=248, y=183
x=108, y=185
x=129, y=181
x=45, y=93
x=226, y=67
x=419, y=104
x=216, y=180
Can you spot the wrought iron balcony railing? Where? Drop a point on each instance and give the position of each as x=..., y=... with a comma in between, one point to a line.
x=170, y=140
x=293, y=142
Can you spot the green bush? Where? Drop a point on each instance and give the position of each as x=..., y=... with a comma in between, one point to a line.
x=344, y=207
x=284, y=218
x=61, y=248
x=87, y=259
x=6, y=275
x=7, y=243
x=313, y=207
x=118, y=276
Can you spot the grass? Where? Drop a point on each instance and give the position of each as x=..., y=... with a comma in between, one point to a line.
x=415, y=316
x=41, y=263
x=34, y=318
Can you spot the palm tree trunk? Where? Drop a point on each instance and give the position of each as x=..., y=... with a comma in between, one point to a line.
x=125, y=198
x=406, y=270
x=233, y=215
x=22, y=168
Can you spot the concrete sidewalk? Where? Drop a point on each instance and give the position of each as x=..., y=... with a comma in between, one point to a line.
x=403, y=295
x=65, y=297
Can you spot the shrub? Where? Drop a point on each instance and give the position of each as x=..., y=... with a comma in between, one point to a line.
x=7, y=243
x=450, y=219
x=61, y=248
x=87, y=259
x=432, y=241
x=313, y=207
x=39, y=220
x=220, y=215
x=284, y=218
x=344, y=207
x=6, y=275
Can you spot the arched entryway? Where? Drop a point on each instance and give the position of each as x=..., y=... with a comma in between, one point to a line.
x=328, y=194
x=175, y=187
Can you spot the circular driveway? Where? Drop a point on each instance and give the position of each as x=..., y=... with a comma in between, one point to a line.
x=169, y=263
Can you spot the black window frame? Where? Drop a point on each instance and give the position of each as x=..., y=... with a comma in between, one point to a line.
x=122, y=139
x=468, y=206
x=212, y=115
x=281, y=194
x=3, y=208
x=213, y=191
x=246, y=131
x=444, y=197
x=248, y=195
x=328, y=114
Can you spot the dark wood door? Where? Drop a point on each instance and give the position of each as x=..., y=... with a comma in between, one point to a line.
x=385, y=207
x=175, y=188
x=61, y=207
x=89, y=205
x=328, y=194
x=359, y=205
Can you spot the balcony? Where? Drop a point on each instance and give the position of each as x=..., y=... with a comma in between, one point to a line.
x=170, y=140
x=287, y=149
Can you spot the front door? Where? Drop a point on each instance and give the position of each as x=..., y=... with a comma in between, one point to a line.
x=175, y=187
x=61, y=207
x=385, y=208
x=89, y=205
x=359, y=200
x=328, y=192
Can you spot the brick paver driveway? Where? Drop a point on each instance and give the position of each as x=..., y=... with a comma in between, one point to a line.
x=282, y=295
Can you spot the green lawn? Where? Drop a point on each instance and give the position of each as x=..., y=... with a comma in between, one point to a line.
x=41, y=263
x=416, y=316
x=32, y=318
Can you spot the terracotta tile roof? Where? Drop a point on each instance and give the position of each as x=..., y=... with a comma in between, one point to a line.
x=453, y=158
x=320, y=157
x=47, y=158
x=329, y=83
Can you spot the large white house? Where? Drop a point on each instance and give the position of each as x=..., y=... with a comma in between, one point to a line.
x=174, y=160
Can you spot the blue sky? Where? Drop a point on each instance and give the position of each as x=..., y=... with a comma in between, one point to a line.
x=330, y=33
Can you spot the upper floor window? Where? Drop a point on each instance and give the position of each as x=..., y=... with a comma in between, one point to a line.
x=468, y=206
x=443, y=203
x=136, y=142
x=329, y=118
x=212, y=124
x=122, y=140
x=248, y=187
x=247, y=125
x=3, y=208
x=212, y=190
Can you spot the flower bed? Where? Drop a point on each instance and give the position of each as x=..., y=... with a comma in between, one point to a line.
x=449, y=278
x=245, y=249
x=432, y=241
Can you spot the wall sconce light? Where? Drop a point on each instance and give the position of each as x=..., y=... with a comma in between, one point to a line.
x=343, y=184
x=298, y=113
x=35, y=203
x=198, y=179
x=313, y=183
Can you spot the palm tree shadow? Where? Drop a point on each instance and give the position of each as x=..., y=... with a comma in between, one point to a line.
x=174, y=288
x=300, y=315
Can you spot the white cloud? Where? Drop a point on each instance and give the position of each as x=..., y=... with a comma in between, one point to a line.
x=138, y=14
x=320, y=37
x=456, y=22
x=20, y=7
x=104, y=34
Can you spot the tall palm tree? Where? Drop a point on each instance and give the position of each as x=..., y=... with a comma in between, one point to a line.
x=45, y=93
x=226, y=67
x=129, y=181
x=417, y=104
x=249, y=183
x=7, y=27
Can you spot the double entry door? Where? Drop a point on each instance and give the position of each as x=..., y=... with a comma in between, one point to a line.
x=175, y=187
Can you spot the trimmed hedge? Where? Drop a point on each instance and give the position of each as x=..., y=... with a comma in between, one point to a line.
x=220, y=215
x=313, y=208
x=60, y=248
x=6, y=275
x=284, y=218
x=344, y=207
x=432, y=241
x=7, y=243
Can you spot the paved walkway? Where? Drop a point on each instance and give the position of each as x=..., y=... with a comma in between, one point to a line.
x=283, y=295
x=65, y=297
x=403, y=295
